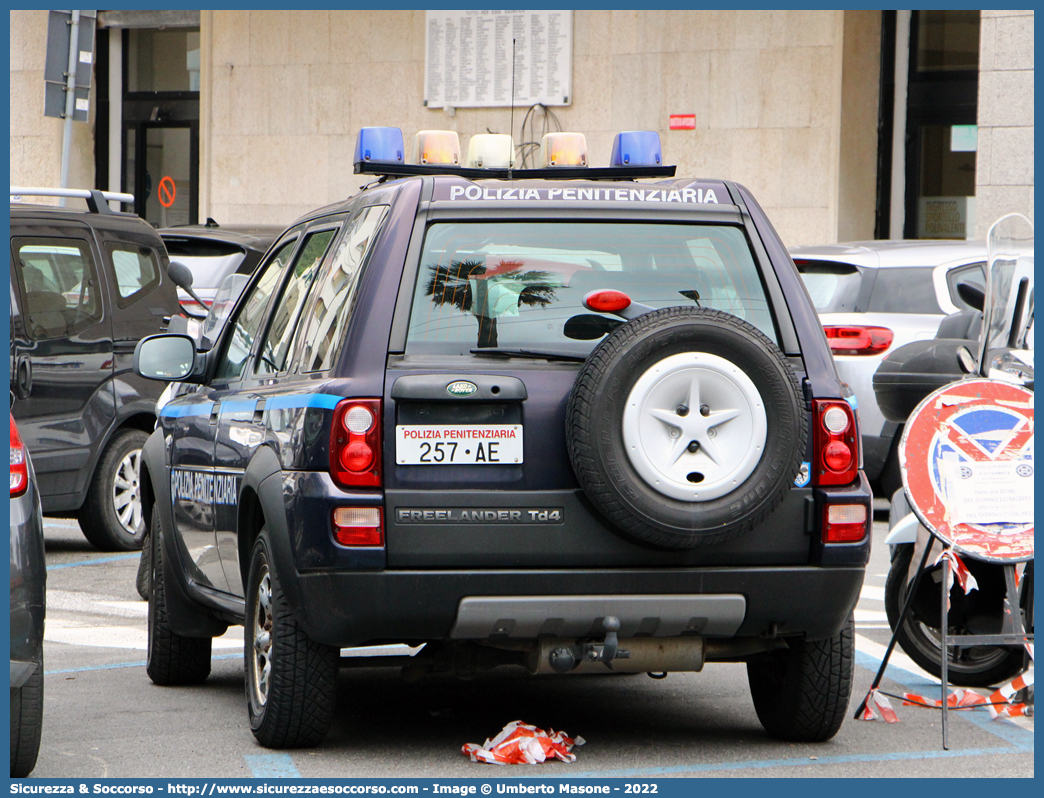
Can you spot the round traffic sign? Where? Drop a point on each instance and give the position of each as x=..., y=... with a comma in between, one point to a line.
x=967, y=463
x=166, y=192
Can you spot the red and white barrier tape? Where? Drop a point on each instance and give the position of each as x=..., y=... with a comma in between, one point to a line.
x=521, y=744
x=876, y=701
x=999, y=703
x=959, y=570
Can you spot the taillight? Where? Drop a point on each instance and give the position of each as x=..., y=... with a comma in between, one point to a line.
x=835, y=441
x=359, y=526
x=857, y=340
x=19, y=463
x=355, y=443
x=606, y=301
x=844, y=523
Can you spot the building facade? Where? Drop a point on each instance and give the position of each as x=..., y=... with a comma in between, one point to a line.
x=846, y=125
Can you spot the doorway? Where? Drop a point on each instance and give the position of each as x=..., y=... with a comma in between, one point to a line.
x=941, y=132
x=148, y=113
x=161, y=170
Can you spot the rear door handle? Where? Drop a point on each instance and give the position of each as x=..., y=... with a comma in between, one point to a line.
x=259, y=412
x=215, y=411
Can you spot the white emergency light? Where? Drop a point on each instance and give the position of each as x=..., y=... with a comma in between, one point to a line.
x=491, y=150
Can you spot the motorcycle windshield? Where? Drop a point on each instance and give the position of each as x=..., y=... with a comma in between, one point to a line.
x=1008, y=312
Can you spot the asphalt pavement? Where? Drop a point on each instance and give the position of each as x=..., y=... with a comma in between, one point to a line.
x=103, y=718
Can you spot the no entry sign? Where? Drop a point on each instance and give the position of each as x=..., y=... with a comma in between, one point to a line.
x=967, y=463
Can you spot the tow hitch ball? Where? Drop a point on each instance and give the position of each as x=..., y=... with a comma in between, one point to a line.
x=568, y=657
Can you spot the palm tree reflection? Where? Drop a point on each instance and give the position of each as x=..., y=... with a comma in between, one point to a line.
x=488, y=294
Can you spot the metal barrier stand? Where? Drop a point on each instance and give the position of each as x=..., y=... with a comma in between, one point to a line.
x=1013, y=632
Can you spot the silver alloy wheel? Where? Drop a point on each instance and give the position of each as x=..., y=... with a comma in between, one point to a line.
x=261, y=662
x=126, y=492
x=694, y=426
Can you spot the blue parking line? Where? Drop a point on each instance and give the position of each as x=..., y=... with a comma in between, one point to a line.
x=99, y=561
x=781, y=763
x=893, y=673
x=127, y=665
x=272, y=766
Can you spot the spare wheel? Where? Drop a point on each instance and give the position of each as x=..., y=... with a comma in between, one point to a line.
x=685, y=427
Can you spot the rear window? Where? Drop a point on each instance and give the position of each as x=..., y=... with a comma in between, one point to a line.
x=904, y=291
x=209, y=261
x=834, y=287
x=518, y=285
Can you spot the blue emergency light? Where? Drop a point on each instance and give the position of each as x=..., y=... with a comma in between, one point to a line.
x=379, y=145
x=636, y=148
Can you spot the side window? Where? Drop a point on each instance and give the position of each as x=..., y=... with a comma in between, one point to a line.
x=273, y=352
x=974, y=273
x=335, y=296
x=137, y=271
x=251, y=310
x=58, y=282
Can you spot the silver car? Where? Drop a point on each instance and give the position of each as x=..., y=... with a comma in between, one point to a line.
x=873, y=297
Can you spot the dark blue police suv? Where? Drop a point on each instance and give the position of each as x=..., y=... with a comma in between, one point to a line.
x=565, y=418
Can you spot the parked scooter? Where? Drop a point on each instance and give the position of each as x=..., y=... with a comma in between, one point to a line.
x=1002, y=348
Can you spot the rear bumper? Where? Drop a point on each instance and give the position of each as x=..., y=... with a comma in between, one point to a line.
x=347, y=609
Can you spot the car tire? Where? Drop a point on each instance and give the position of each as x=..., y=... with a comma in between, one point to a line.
x=801, y=693
x=111, y=516
x=26, y=723
x=143, y=577
x=291, y=680
x=172, y=659
x=978, y=666
x=621, y=439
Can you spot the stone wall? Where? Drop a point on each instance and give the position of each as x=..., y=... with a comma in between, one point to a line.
x=284, y=93
x=36, y=140
x=288, y=91
x=1004, y=166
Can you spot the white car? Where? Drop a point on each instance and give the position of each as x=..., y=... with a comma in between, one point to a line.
x=873, y=297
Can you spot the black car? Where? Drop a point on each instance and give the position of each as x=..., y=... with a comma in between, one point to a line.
x=28, y=583
x=553, y=418
x=212, y=252
x=86, y=286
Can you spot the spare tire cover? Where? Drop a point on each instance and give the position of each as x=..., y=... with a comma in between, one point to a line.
x=685, y=427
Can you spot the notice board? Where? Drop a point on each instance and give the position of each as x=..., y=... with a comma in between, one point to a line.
x=468, y=58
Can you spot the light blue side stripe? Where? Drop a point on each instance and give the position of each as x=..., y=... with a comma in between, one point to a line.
x=324, y=400
x=177, y=411
x=272, y=766
x=238, y=407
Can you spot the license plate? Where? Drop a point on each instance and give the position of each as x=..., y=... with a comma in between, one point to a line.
x=458, y=444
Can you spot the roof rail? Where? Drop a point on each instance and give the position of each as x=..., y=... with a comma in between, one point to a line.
x=96, y=200
x=503, y=173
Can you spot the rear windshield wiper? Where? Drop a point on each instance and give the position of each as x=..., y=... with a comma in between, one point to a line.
x=530, y=353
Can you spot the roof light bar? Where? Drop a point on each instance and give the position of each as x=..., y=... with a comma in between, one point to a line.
x=436, y=147
x=636, y=148
x=380, y=151
x=491, y=150
x=563, y=149
x=379, y=145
